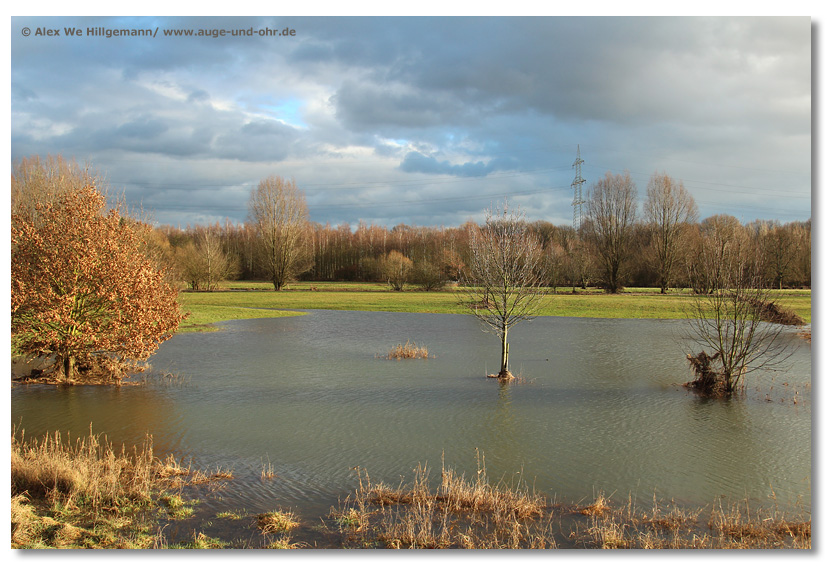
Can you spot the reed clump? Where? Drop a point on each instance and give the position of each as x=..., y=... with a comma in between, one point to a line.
x=277, y=521
x=723, y=527
x=87, y=493
x=277, y=527
x=407, y=351
x=460, y=513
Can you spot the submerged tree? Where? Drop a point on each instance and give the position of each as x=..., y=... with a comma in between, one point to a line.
x=503, y=280
x=729, y=321
x=82, y=291
x=279, y=211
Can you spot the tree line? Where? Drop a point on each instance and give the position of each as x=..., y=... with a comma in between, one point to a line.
x=660, y=243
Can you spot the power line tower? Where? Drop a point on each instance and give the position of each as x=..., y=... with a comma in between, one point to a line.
x=577, y=184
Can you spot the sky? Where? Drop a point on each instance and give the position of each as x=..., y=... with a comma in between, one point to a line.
x=423, y=121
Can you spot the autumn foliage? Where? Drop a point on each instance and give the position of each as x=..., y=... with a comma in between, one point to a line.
x=82, y=292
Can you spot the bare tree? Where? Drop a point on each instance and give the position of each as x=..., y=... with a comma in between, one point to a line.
x=279, y=211
x=781, y=246
x=612, y=208
x=669, y=208
x=729, y=321
x=204, y=263
x=502, y=284
x=713, y=244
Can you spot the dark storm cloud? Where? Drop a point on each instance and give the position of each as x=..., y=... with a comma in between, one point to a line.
x=430, y=111
x=258, y=141
x=393, y=107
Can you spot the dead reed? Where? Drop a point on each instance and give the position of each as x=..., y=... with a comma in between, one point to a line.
x=461, y=513
x=724, y=527
x=87, y=493
x=472, y=513
x=88, y=470
x=407, y=351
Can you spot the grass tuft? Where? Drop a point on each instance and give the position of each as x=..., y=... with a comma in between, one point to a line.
x=277, y=521
x=408, y=351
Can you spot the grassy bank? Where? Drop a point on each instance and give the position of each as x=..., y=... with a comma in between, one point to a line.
x=84, y=494
x=204, y=312
x=239, y=300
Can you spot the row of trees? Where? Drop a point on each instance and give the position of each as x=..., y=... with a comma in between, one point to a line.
x=664, y=245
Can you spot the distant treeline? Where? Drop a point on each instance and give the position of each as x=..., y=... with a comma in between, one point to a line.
x=660, y=243
x=429, y=257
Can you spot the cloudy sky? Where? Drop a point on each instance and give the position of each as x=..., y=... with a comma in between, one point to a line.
x=422, y=121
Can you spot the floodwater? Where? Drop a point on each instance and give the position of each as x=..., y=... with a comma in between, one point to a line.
x=601, y=408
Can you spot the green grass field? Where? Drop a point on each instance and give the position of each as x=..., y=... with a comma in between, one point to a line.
x=245, y=299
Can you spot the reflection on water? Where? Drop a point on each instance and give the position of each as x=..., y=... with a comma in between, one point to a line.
x=601, y=408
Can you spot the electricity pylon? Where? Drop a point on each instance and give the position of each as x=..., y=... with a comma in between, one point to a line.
x=577, y=184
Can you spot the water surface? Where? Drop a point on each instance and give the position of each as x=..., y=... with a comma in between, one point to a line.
x=601, y=409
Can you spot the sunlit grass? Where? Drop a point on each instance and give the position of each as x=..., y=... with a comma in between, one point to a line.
x=87, y=493
x=203, y=315
x=207, y=308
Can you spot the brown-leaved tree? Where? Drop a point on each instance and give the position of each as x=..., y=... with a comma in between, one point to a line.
x=82, y=292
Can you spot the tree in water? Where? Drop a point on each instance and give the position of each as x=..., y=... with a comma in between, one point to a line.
x=728, y=320
x=83, y=292
x=503, y=283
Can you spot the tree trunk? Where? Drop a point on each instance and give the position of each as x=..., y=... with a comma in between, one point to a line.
x=504, y=373
x=68, y=366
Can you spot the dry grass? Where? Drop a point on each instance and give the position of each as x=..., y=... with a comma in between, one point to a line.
x=277, y=521
x=88, y=494
x=199, y=477
x=408, y=351
x=737, y=527
x=732, y=527
x=473, y=513
x=460, y=513
x=88, y=471
x=280, y=524
x=599, y=507
x=267, y=472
